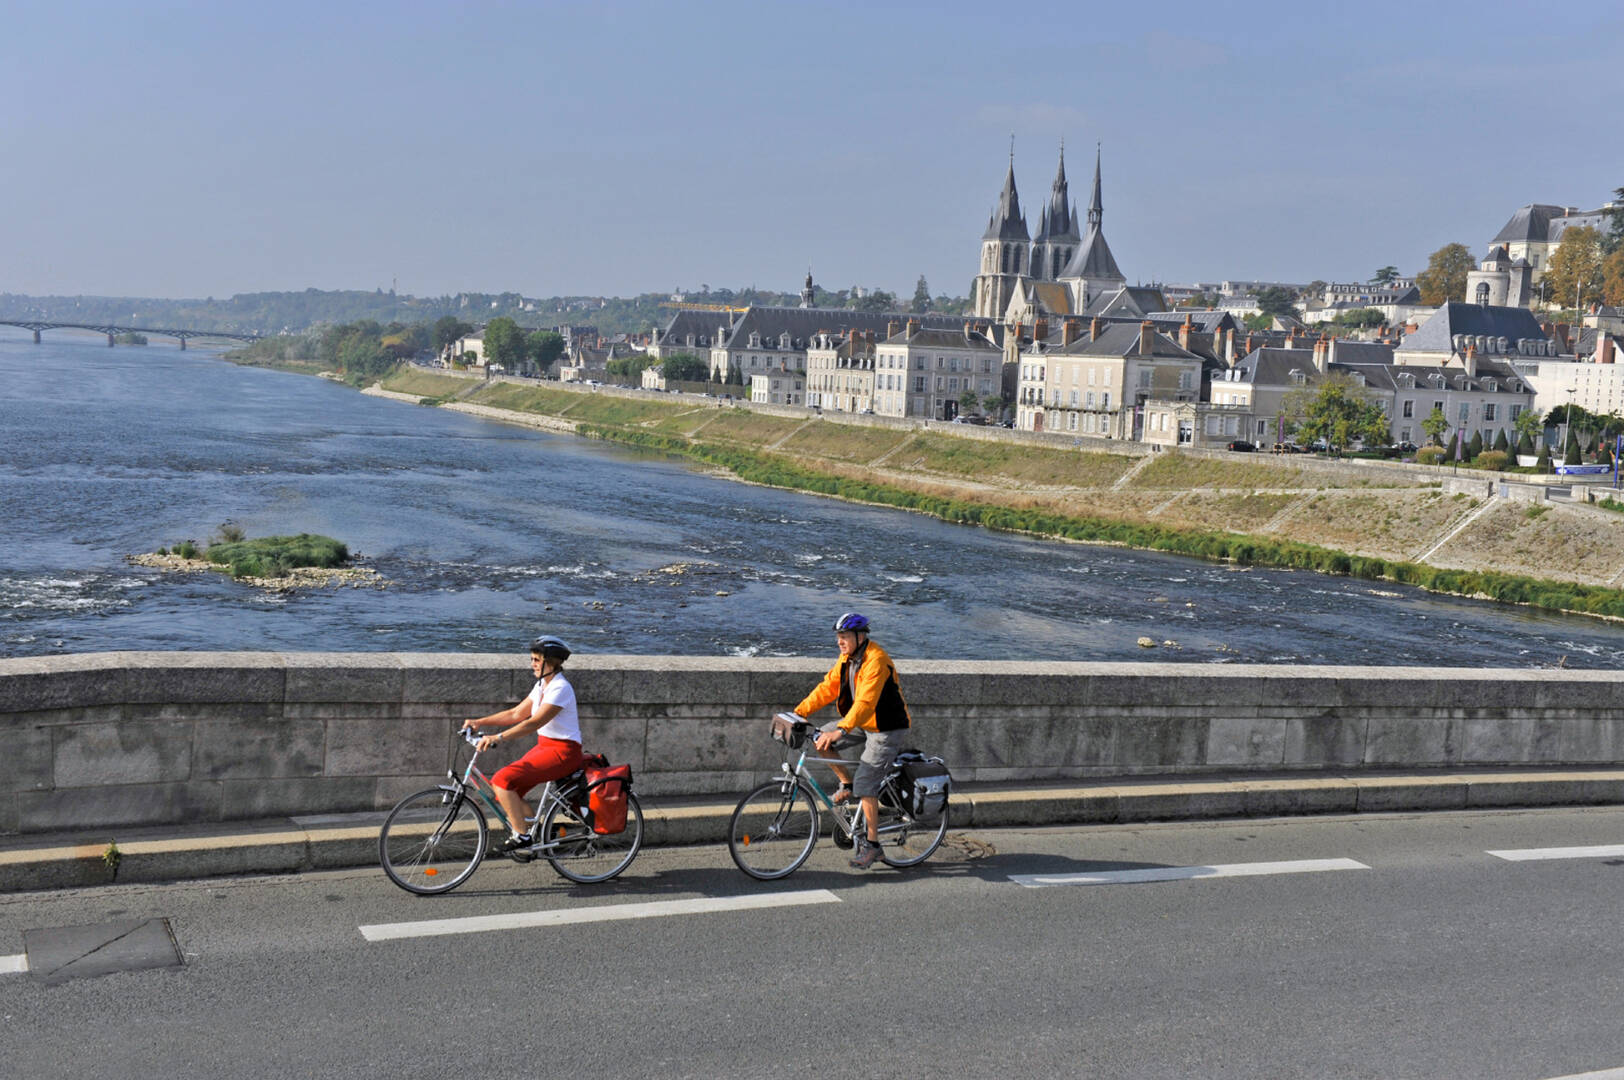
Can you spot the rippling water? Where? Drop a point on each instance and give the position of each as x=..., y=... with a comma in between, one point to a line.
x=489, y=533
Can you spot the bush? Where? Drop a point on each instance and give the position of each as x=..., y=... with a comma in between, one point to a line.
x=1430, y=455
x=274, y=556
x=1544, y=463
x=1525, y=445
x=1493, y=460
x=186, y=549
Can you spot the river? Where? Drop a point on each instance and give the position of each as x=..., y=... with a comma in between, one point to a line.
x=488, y=534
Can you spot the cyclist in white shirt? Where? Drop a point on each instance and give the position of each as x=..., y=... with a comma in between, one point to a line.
x=550, y=712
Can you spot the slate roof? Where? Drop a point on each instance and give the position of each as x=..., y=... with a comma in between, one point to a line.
x=1049, y=297
x=1208, y=322
x=1007, y=221
x=1128, y=301
x=1438, y=332
x=1532, y=222
x=1093, y=259
x=1122, y=339
x=1273, y=367
x=802, y=323
x=929, y=338
x=701, y=324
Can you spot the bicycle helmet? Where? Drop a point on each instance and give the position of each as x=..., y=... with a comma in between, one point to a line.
x=853, y=622
x=551, y=648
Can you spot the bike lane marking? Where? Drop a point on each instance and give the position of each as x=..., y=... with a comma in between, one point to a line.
x=606, y=913
x=1604, y=1074
x=1599, y=851
x=1186, y=873
x=14, y=965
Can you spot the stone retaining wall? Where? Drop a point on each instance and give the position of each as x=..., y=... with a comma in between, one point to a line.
x=121, y=739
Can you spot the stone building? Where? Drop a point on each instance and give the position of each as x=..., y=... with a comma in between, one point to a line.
x=923, y=371
x=1098, y=382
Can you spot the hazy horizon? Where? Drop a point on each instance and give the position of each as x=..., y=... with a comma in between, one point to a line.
x=628, y=148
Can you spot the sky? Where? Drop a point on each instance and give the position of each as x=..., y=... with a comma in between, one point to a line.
x=613, y=148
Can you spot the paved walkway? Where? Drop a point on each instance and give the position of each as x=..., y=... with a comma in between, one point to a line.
x=334, y=841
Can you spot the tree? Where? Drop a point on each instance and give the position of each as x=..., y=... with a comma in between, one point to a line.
x=1613, y=242
x=1361, y=318
x=504, y=343
x=1574, y=273
x=1531, y=426
x=1501, y=443
x=1612, y=277
x=1475, y=446
x=921, y=297
x=1337, y=410
x=969, y=402
x=1444, y=279
x=1544, y=463
x=543, y=347
x=1570, y=453
x=878, y=300
x=1435, y=425
x=1274, y=301
x=685, y=367
x=1385, y=276
x=448, y=330
x=1525, y=445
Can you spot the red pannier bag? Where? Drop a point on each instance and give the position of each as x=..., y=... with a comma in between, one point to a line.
x=608, y=799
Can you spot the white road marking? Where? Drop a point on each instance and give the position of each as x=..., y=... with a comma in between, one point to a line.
x=1605, y=1074
x=1183, y=873
x=606, y=913
x=14, y=965
x=1601, y=851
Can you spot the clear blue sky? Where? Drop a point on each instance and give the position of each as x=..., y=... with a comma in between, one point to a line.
x=186, y=150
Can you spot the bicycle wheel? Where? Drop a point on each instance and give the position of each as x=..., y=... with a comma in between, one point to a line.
x=773, y=829
x=905, y=841
x=582, y=855
x=432, y=841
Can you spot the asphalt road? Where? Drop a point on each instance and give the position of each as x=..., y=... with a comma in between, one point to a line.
x=1395, y=947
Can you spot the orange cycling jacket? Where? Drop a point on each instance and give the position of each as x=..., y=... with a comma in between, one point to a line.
x=875, y=701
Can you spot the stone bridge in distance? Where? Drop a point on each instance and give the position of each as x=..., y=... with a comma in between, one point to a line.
x=112, y=332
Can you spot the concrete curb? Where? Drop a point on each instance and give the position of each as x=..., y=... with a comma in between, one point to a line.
x=333, y=842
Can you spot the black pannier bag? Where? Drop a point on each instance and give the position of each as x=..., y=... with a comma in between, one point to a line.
x=924, y=785
x=790, y=729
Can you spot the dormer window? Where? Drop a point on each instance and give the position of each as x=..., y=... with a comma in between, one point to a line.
x=1491, y=386
x=1299, y=377
x=783, y=341
x=755, y=340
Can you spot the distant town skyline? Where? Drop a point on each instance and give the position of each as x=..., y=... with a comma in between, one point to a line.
x=624, y=148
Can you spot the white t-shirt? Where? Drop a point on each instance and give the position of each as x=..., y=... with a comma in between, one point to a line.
x=566, y=724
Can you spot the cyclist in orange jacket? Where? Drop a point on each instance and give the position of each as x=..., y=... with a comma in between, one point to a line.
x=863, y=686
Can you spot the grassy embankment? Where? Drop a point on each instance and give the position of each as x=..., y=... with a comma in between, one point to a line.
x=1212, y=509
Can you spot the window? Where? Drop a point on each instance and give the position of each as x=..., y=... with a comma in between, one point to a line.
x=919, y=384
x=1074, y=398
x=1091, y=399
x=1465, y=412
x=1438, y=406
x=1184, y=380
x=1409, y=409
x=1516, y=411
x=938, y=382
x=1105, y=400
x=1488, y=413
x=1071, y=421
x=1144, y=378
x=1091, y=376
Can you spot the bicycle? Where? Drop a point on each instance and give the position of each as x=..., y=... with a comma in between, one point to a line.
x=433, y=840
x=774, y=827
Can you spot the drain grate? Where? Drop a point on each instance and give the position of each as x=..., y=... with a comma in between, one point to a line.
x=57, y=954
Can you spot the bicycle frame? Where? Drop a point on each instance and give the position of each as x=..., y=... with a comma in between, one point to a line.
x=475, y=782
x=849, y=820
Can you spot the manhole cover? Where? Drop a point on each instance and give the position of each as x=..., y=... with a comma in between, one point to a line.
x=57, y=954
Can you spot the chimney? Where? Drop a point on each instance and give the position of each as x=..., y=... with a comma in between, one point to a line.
x=1184, y=334
x=1040, y=330
x=1068, y=332
x=1604, y=351
x=1147, y=338
x=1471, y=361
x=1249, y=346
x=1322, y=355
x=891, y=329
x=913, y=327
x=1229, y=346
x=1094, y=329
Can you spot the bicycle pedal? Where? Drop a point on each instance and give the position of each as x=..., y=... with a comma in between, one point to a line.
x=521, y=856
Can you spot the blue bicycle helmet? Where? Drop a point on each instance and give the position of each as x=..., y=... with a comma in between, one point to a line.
x=853, y=622
x=551, y=648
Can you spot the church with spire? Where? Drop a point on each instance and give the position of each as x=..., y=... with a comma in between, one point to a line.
x=1061, y=271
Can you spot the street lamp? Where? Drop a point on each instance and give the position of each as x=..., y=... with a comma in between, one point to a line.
x=1567, y=422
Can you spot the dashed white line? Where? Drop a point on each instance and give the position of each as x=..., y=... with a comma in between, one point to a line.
x=605, y=913
x=14, y=965
x=1599, y=851
x=1184, y=873
x=1605, y=1074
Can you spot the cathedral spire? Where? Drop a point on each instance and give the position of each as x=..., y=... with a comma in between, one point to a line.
x=1096, y=209
x=1007, y=222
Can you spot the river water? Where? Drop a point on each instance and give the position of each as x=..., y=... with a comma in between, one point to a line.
x=489, y=533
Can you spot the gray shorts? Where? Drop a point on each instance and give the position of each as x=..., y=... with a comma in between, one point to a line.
x=880, y=749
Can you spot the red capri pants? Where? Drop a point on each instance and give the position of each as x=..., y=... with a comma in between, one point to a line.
x=549, y=759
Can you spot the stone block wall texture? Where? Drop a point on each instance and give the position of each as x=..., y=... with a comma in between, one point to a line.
x=109, y=740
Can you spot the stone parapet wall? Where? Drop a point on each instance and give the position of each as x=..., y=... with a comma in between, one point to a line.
x=123, y=739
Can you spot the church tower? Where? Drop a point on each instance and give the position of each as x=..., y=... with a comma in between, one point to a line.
x=1005, y=252
x=1058, y=236
x=808, y=294
x=1093, y=269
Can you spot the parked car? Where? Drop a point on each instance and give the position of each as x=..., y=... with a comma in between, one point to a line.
x=1007, y=423
x=1242, y=446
